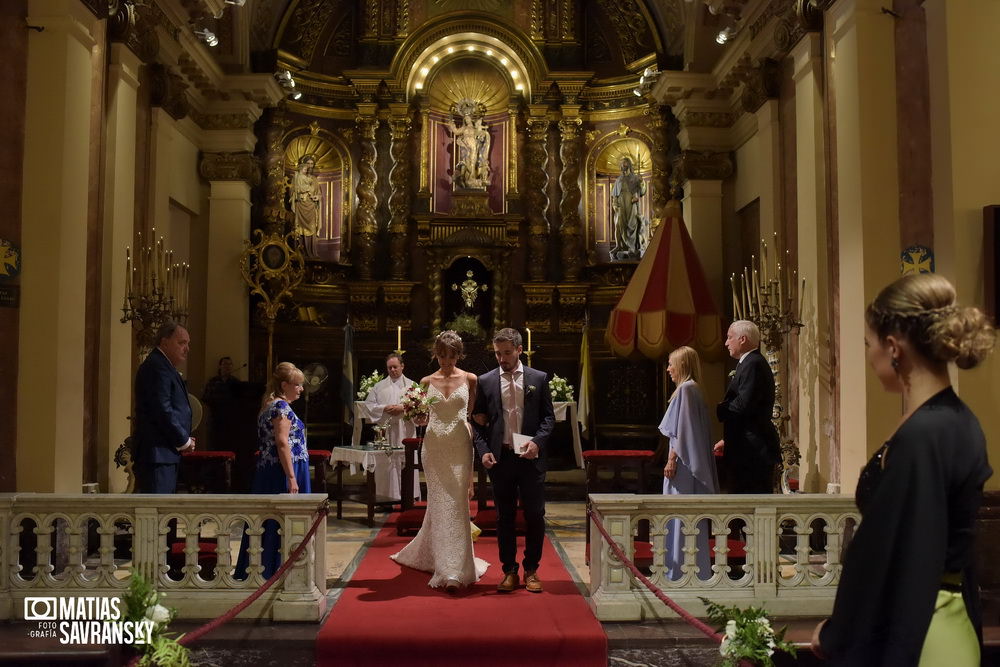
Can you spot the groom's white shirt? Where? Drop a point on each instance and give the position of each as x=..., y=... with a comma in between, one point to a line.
x=513, y=415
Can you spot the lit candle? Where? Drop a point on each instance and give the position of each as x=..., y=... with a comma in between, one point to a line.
x=746, y=294
x=732, y=285
x=399, y=337
x=763, y=262
x=529, y=338
x=802, y=296
x=128, y=270
x=779, y=280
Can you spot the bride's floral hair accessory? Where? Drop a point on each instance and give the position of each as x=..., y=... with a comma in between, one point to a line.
x=447, y=344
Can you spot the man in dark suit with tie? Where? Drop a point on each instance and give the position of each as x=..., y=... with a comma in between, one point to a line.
x=514, y=399
x=749, y=440
x=162, y=412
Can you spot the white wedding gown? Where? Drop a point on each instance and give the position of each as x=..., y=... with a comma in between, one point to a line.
x=444, y=544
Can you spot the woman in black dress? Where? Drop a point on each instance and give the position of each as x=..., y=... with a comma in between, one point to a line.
x=907, y=594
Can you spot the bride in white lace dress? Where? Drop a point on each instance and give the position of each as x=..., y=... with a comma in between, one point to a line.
x=444, y=544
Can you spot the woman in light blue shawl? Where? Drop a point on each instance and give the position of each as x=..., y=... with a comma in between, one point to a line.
x=690, y=465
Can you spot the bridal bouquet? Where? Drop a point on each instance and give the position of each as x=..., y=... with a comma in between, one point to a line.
x=560, y=389
x=367, y=382
x=748, y=635
x=416, y=402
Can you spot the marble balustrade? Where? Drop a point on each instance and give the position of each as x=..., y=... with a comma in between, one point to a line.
x=89, y=544
x=794, y=546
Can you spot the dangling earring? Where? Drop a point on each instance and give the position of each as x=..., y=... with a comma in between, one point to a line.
x=895, y=364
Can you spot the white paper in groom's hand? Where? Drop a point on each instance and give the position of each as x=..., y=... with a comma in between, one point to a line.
x=520, y=443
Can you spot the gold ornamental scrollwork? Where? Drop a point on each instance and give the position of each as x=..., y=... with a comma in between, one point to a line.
x=569, y=205
x=230, y=167
x=367, y=226
x=399, y=200
x=271, y=267
x=538, y=200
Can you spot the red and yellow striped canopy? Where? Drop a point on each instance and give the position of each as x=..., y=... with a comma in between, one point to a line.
x=667, y=303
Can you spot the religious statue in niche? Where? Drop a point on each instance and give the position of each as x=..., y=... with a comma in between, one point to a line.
x=305, y=203
x=631, y=228
x=472, y=146
x=467, y=322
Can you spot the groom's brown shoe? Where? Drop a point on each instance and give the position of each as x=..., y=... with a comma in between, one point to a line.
x=532, y=583
x=509, y=583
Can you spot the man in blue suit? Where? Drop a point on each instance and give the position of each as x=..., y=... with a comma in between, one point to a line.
x=513, y=400
x=162, y=412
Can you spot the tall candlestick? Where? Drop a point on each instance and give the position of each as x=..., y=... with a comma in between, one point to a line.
x=746, y=294
x=780, y=290
x=763, y=261
x=529, y=338
x=128, y=270
x=732, y=285
x=399, y=337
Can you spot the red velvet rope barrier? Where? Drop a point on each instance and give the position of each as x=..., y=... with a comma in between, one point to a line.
x=683, y=613
x=232, y=613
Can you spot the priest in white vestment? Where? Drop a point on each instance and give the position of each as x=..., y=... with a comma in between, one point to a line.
x=383, y=407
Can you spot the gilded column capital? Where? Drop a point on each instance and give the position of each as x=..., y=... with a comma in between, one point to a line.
x=701, y=166
x=241, y=166
x=569, y=128
x=761, y=83
x=168, y=91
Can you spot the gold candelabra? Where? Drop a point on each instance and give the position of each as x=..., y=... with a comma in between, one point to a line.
x=272, y=268
x=765, y=295
x=156, y=290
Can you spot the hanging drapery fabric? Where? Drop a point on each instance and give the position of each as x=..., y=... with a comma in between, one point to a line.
x=667, y=303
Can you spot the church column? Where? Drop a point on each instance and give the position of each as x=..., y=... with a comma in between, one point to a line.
x=365, y=225
x=814, y=339
x=399, y=200
x=964, y=145
x=230, y=175
x=702, y=175
x=513, y=191
x=569, y=186
x=863, y=76
x=50, y=384
x=536, y=175
x=115, y=363
x=759, y=97
x=660, y=191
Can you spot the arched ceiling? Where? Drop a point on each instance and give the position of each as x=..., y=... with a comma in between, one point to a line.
x=610, y=37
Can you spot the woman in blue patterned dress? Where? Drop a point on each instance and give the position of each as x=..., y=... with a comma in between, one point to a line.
x=283, y=459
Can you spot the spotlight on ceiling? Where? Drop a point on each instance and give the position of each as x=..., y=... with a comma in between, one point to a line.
x=207, y=36
x=724, y=35
x=237, y=3
x=296, y=95
x=637, y=92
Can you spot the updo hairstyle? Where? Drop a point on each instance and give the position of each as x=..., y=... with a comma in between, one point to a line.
x=449, y=343
x=921, y=308
x=285, y=371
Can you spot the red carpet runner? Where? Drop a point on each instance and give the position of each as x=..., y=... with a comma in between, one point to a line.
x=387, y=615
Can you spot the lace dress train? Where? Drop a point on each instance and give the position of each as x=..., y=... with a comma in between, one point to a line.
x=444, y=544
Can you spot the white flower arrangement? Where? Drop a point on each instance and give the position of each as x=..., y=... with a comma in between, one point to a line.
x=560, y=389
x=748, y=635
x=142, y=603
x=367, y=382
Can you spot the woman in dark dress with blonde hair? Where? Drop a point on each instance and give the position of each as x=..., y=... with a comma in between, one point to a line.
x=907, y=594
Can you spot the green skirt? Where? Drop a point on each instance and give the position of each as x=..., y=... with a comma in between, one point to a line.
x=951, y=640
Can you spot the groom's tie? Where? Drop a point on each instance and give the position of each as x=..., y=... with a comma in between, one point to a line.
x=510, y=406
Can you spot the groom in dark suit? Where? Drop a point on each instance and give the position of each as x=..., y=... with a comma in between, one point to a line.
x=514, y=399
x=749, y=440
x=162, y=412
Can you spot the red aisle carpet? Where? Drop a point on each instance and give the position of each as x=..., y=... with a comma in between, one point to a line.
x=387, y=615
